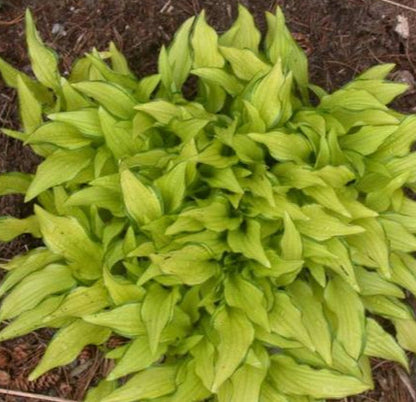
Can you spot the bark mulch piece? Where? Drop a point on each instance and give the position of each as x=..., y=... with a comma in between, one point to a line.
x=341, y=37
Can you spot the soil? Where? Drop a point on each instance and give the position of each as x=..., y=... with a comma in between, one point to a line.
x=342, y=39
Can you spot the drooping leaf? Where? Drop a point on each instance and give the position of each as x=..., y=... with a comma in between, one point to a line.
x=22, y=265
x=65, y=236
x=322, y=226
x=405, y=333
x=157, y=311
x=389, y=307
x=12, y=227
x=246, y=296
x=380, y=343
x=298, y=379
x=103, y=389
x=60, y=134
x=313, y=318
x=236, y=334
x=60, y=167
x=137, y=357
x=85, y=120
x=82, y=301
x=246, y=240
x=148, y=384
x=140, y=200
x=111, y=96
x=286, y=320
x=125, y=320
x=68, y=343
x=34, y=288
x=219, y=77
x=189, y=386
x=31, y=319
x=119, y=140
x=192, y=264
x=120, y=289
x=283, y=146
x=349, y=311
x=14, y=183
x=245, y=64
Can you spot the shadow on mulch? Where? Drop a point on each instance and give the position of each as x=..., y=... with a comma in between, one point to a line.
x=341, y=37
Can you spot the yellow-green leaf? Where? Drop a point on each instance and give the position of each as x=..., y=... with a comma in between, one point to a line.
x=60, y=134
x=245, y=64
x=85, y=120
x=82, y=301
x=14, y=183
x=148, y=384
x=60, y=167
x=140, y=200
x=235, y=337
x=125, y=320
x=68, y=343
x=380, y=343
x=30, y=108
x=65, y=236
x=111, y=96
x=44, y=61
x=192, y=264
x=32, y=319
x=157, y=311
x=313, y=318
x=12, y=227
x=284, y=146
x=121, y=290
x=204, y=42
x=22, y=265
x=34, y=288
x=291, y=242
x=344, y=302
x=189, y=386
x=286, y=320
x=245, y=295
x=247, y=241
x=137, y=357
x=179, y=53
x=406, y=330
x=299, y=379
x=172, y=186
x=218, y=76
x=243, y=34
x=323, y=226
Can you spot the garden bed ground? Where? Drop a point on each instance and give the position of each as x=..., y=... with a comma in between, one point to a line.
x=341, y=37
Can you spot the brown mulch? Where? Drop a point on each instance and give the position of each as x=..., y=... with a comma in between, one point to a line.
x=341, y=37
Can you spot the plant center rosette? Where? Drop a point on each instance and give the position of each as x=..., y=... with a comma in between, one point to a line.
x=248, y=243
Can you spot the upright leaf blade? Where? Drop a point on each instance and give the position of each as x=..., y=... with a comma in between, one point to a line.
x=44, y=61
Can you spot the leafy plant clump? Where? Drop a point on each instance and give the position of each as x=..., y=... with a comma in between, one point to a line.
x=243, y=241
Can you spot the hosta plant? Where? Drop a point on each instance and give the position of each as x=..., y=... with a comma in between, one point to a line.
x=248, y=243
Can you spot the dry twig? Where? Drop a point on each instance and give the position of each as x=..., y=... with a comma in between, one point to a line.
x=33, y=396
x=394, y=3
